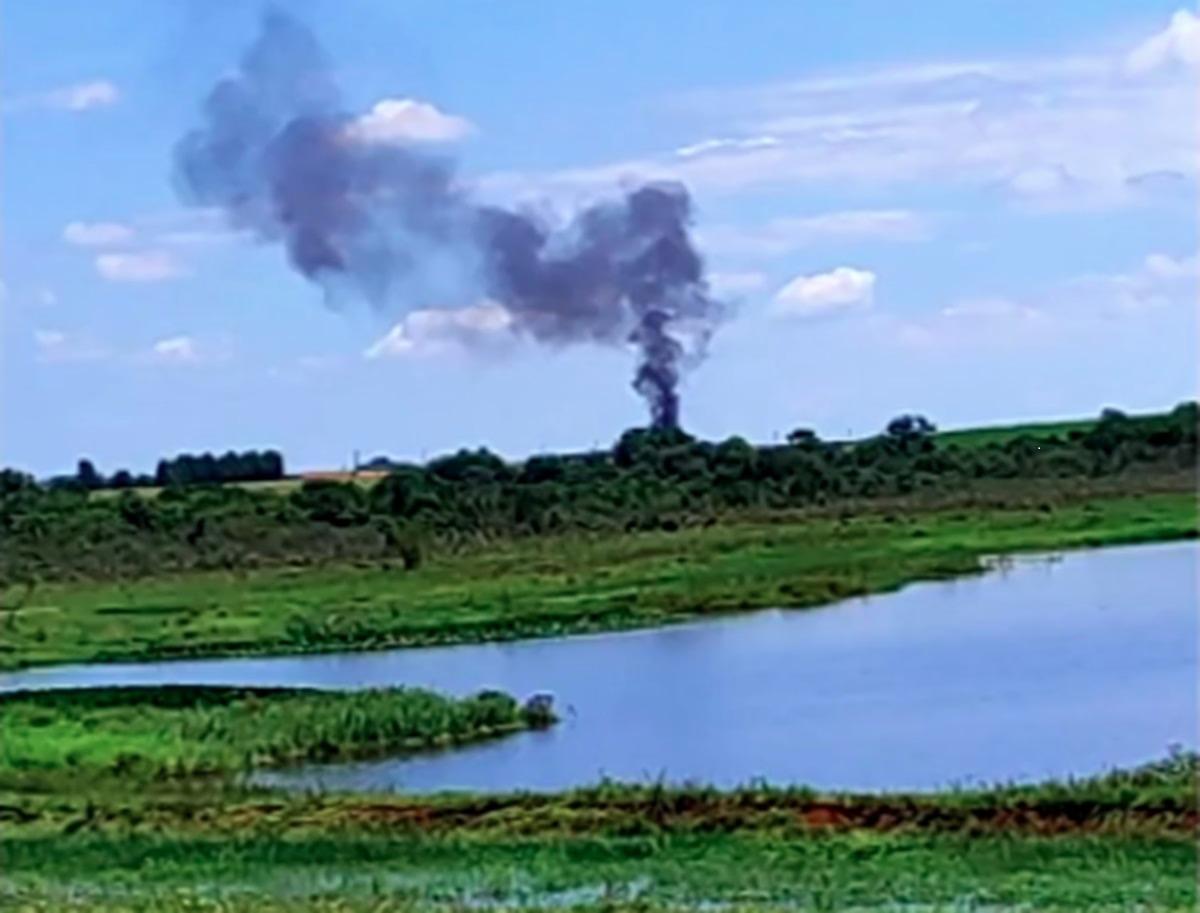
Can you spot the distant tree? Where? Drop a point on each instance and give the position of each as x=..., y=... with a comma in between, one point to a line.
x=1109, y=414
x=804, y=438
x=470, y=466
x=122, y=478
x=405, y=492
x=135, y=510
x=13, y=481
x=642, y=445
x=734, y=459
x=87, y=475
x=378, y=464
x=271, y=465
x=543, y=468
x=910, y=427
x=336, y=503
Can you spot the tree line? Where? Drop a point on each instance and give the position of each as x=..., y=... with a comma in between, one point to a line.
x=651, y=479
x=184, y=469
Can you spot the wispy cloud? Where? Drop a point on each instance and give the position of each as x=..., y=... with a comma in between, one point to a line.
x=1156, y=285
x=140, y=266
x=55, y=346
x=186, y=350
x=716, y=145
x=1083, y=129
x=726, y=285
x=75, y=98
x=97, y=234
x=790, y=233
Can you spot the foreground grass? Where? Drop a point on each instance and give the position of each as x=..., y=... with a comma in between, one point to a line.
x=1120, y=842
x=163, y=732
x=545, y=587
x=827, y=872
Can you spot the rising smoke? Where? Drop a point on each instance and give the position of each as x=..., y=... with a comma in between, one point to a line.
x=276, y=151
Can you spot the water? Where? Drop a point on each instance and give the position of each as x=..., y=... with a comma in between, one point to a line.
x=1045, y=668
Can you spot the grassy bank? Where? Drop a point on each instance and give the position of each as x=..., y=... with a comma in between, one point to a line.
x=155, y=733
x=550, y=586
x=1119, y=842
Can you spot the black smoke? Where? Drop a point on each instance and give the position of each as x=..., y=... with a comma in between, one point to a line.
x=277, y=152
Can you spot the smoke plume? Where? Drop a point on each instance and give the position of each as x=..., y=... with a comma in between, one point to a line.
x=279, y=154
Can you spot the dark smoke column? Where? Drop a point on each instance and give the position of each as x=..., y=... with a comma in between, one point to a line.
x=278, y=154
x=621, y=272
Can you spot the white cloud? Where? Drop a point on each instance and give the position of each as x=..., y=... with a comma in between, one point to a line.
x=1167, y=268
x=97, y=234
x=784, y=235
x=732, y=284
x=1178, y=44
x=1060, y=311
x=1160, y=281
x=185, y=350
x=841, y=289
x=406, y=120
x=141, y=266
x=55, y=346
x=175, y=350
x=1077, y=128
x=436, y=331
x=84, y=96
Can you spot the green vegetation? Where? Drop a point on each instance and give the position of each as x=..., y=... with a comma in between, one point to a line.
x=164, y=732
x=1118, y=842
x=652, y=480
x=541, y=586
x=854, y=871
x=133, y=799
x=993, y=435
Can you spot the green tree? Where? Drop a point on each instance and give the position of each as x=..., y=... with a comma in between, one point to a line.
x=87, y=475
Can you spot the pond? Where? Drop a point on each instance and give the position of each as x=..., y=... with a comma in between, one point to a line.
x=1045, y=667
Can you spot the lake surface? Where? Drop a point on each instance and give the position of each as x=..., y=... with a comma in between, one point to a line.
x=1044, y=667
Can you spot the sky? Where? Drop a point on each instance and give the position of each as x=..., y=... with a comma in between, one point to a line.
x=980, y=211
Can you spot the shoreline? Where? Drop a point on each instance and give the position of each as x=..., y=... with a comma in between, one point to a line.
x=930, y=562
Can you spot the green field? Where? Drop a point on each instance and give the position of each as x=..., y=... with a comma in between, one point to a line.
x=567, y=584
x=1000, y=434
x=988, y=435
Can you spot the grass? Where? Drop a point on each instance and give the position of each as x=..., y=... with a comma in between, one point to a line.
x=1001, y=434
x=1058, y=846
x=552, y=586
x=832, y=872
x=161, y=732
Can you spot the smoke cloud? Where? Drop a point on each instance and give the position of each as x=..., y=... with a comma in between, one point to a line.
x=279, y=154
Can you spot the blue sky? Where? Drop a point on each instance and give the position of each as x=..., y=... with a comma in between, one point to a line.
x=978, y=210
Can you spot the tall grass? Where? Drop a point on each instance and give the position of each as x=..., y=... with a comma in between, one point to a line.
x=175, y=731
